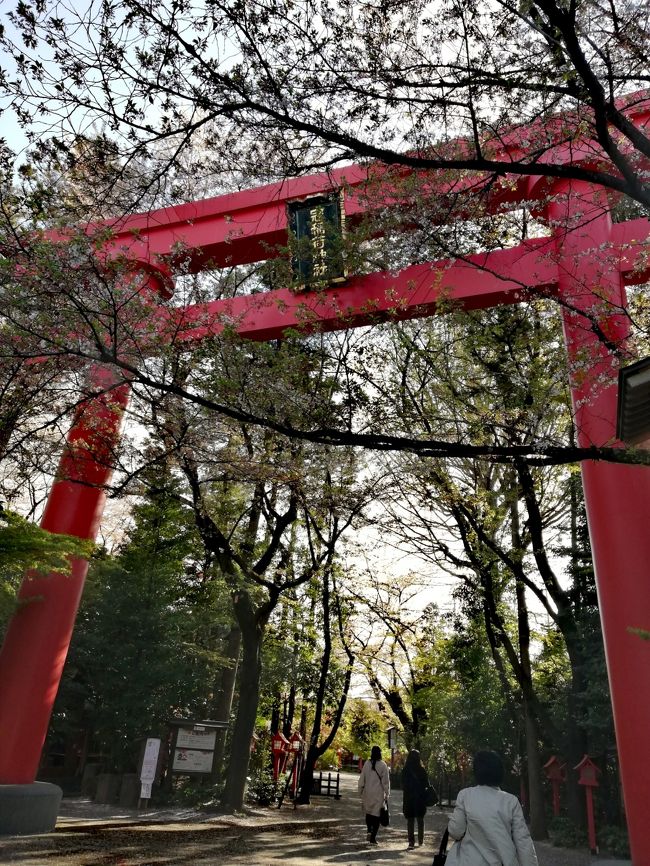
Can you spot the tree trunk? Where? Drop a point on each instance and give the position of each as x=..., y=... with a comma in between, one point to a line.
x=315, y=751
x=289, y=711
x=576, y=739
x=535, y=788
x=249, y=689
x=222, y=705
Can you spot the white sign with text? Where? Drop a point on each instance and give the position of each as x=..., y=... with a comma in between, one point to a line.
x=192, y=761
x=150, y=760
x=196, y=738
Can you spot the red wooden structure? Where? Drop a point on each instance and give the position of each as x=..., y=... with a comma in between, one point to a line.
x=588, y=778
x=556, y=774
x=586, y=261
x=280, y=750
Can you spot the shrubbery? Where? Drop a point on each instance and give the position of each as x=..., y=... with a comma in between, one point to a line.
x=565, y=834
x=612, y=840
x=262, y=788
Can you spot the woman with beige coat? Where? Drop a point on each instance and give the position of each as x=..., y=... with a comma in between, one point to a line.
x=374, y=787
x=488, y=822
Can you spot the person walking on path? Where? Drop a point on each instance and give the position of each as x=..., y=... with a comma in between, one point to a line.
x=489, y=822
x=374, y=787
x=415, y=788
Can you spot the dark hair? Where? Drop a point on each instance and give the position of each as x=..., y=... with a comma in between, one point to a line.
x=375, y=755
x=488, y=769
x=413, y=760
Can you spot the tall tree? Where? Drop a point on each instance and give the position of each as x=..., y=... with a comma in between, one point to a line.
x=329, y=672
x=392, y=636
x=504, y=520
x=270, y=512
x=148, y=640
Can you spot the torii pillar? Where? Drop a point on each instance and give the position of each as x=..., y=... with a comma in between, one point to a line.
x=617, y=496
x=38, y=637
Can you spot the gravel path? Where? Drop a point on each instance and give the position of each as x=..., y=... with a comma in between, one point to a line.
x=327, y=833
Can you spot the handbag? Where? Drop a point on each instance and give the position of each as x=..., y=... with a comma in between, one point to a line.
x=430, y=795
x=440, y=858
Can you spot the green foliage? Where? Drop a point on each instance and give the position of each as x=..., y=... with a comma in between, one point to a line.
x=261, y=788
x=465, y=705
x=191, y=792
x=552, y=678
x=363, y=727
x=289, y=646
x=583, y=686
x=147, y=642
x=614, y=841
x=23, y=546
x=563, y=833
x=26, y=547
x=328, y=760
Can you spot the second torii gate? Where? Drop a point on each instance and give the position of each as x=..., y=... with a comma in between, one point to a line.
x=586, y=263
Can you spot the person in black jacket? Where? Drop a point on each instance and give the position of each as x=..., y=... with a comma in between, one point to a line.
x=416, y=791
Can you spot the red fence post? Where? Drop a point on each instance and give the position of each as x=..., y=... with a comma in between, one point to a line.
x=617, y=497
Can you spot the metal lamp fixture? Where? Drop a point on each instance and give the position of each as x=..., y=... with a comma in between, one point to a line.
x=633, y=421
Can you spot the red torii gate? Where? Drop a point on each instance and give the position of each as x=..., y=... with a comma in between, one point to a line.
x=585, y=251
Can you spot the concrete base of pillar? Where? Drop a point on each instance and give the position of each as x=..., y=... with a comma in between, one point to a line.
x=29, y=809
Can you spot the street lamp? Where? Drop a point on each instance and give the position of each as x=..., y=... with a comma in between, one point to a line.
x=633, y=421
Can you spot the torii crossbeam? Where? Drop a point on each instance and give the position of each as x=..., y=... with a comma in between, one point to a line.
x=584, y=260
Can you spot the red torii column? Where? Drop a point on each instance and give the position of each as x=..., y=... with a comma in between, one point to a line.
x=617, y=496
x=38, y=637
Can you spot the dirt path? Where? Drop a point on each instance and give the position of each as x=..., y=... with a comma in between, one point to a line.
x=327, y=833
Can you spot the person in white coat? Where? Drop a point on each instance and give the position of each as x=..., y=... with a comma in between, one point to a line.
x=488, y=822
x=374, y=787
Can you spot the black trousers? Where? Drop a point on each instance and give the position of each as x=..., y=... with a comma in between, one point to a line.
x=372, y=823
x=410, y=829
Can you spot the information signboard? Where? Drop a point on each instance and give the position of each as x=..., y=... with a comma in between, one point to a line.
x=193, y=745
x=192, y=761
x=196, y=738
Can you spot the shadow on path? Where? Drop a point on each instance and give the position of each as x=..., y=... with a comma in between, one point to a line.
x=326, y=833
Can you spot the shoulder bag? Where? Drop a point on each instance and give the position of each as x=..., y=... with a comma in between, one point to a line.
x=384, y=814
x=440, y=858
x=430, y=795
